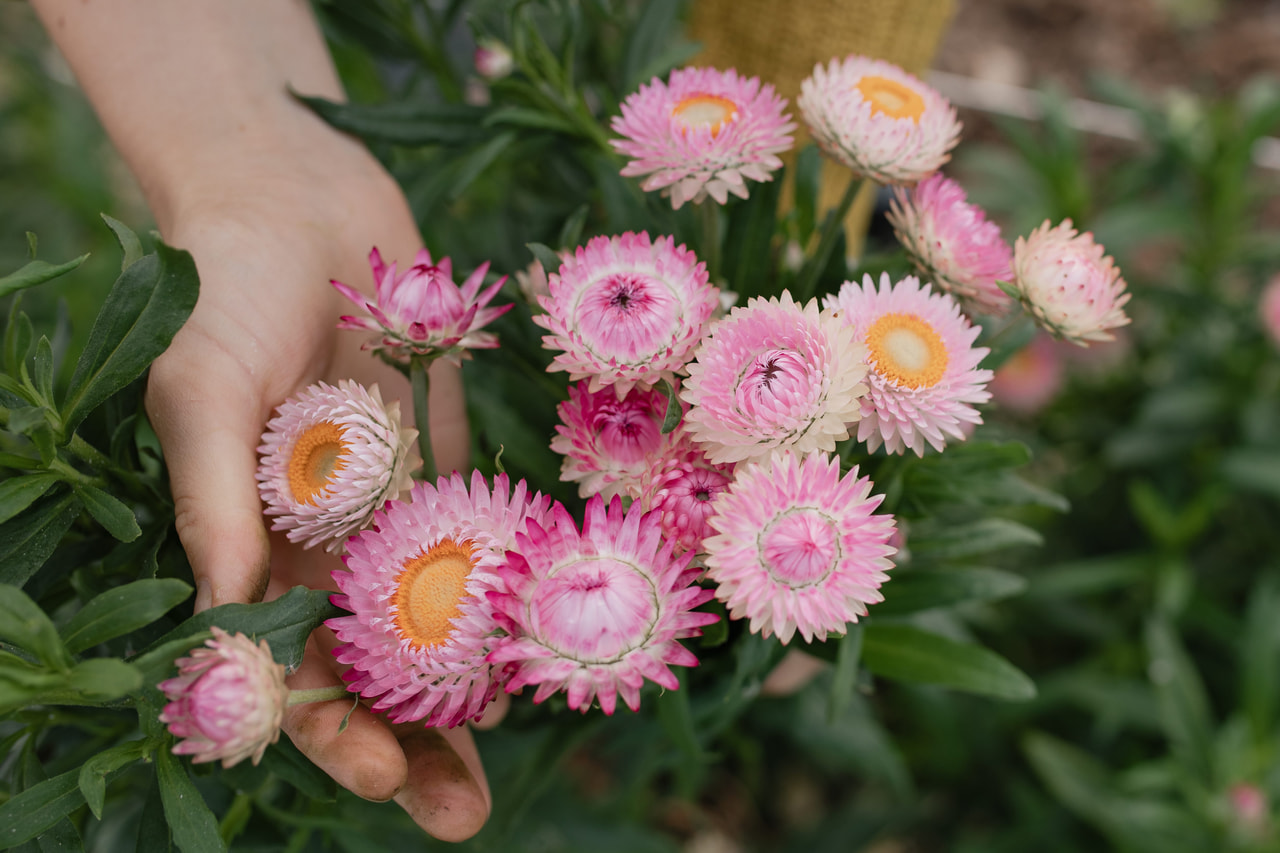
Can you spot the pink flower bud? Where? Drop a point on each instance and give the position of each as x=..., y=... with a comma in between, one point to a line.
x=1071, y=289
x=493, y=59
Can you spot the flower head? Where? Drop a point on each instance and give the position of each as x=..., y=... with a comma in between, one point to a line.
x=878, y=120
x=924, y=375
x=597, y=612
x=1068, y=285
x=330, y=457
x=797, y=547
x=227, y=700
x=608, y=443
x=703, y=132
x=952, y=243
x=1031, y=378
x=773, y=375
x=626, y=311
x=493, y=59
x=681, y=486
x=420, y=627
x=422, y=312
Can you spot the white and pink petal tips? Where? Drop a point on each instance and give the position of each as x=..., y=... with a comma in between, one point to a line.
x=608, y=443
x=924, y=378
x=952, y=244
x=798, y=548
x=1066, y=283
x=422, y=312
x=878, y=120
x=626, y=311
x=703, y=132
x=330, y=458
x=596, y=612
x=771, y=376
x=416, y=586
x=681, y=486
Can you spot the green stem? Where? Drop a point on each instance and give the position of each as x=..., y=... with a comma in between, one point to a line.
x=807, y=283
x=317, y=694
x=420, y=381
x=709, y=213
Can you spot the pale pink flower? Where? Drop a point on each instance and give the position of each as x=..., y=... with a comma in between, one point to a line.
x=1071, y=289
x=797, y=547
x=493, y=59
x=421, y=627
x=878, y=120
x=533, y=284
x=608, y=443
x=952, y=243
x=596, y=613
x=1031, y=378
x=227, y=701
x=924, y=378
x=1269, y=309
x=771, y=376
x=422, y=312
x=704, y=132
x=626, y=311
x=330, y=458
x=681, y=486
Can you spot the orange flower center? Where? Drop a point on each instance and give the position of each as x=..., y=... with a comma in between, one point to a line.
x=710, y=111
x=907, y=350
x=317, y=456
x=430, y=591
x=891, y=98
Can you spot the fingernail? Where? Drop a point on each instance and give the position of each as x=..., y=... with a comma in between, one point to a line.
x=204, y=596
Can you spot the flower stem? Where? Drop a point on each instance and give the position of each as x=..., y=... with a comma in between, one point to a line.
x=317, y=694
x=420, y=381
x=831, y=228
x=709, y=213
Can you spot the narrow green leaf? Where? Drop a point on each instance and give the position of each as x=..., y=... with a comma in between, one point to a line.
x=26, y=626
x=748, y=249
x=808, y=180
x=937, y=542
x=1184, y=705
x=479, y=160
x=39, y=807
x=17, y=337
x=156, y=662
x=93, y=773
x=129, y=242
x=571, y=231
x=123, y=609
x=677, y=722
x=104, y=679
x=144, y=310
x=550, y=260
x=1260, y=657
x=108, y=511
x=42, y=369
x=651, y=34
x=906, y=653
x=153, y=829
x=36, y=272
x=404, y=123
x=913, y=590
x=844, y=677
x=529, y=118
x=671, y=419
x=18, y=493
x=195, y=829
x=27, y=539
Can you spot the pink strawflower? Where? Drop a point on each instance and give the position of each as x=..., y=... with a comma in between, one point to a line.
x=227, y=701
x=704, y=132
x=681, y=486
x=1031, y=378
x=952, y=243
x=924, y=375
x=1269, y=309
x=596, y=613
x=421, y=628
x=797, y=547
x=422, y=312
x=493, y=59
x=330, y=458
x=773, y=375
x=878, y=120
x=626, y=311
x=1071, y=289
x=608, y=443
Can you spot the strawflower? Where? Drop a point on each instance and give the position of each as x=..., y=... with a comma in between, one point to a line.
x=330, y=458
x=924, y=378
x=608, y=443
x=422, y=312
x=415, y=584
x=703, y=132
x=952, y=243
x=626, y=311
x=227, y=701
x=798, y=548
x=878, y=120
x=1071, y=289
x=681, y=486
x=1031, y=378
x=774, y=375
x=596, y=612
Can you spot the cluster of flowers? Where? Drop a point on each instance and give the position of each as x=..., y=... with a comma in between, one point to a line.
x=470, y=586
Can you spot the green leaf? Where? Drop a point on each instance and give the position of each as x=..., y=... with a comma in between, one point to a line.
x=674, y=412
x=26, y=626
x=550, y=260
x=108, y=511
x=677, y=722
x=18, y=493
x=479, y=160
x=93, y=773
x=650, y=35
x=39, y=807
x=17, y=337
x=906, y=653
x=123, y=609
x=404, y=123
x=1184, y=706
x=571, y=231
x=42, y=369
x=195, y=829
x=286, y=761
x=129, y=242
x=748, y=247
x=153, y=829
x=36, y=272
x=844, y=676
x=144, y=310
x=938, y=542
x=104, y=679
x=27, y=540
x=1260, y=657
x=529, y=118
x=1256, y=470
x=909, y=591
x=157, y=661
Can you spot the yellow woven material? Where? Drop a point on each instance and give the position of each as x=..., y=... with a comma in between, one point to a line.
x=780, y=41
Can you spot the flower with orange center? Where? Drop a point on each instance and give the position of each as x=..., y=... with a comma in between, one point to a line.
x=420, y=625
x=703, y=133
x=330, y=457
x=924, y=376
x=878, y=120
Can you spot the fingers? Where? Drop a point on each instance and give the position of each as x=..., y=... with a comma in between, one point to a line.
x=794, y=671
x=447, y=794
